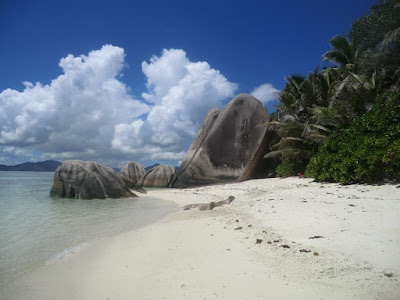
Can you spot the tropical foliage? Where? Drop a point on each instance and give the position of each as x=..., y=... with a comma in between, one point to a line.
x=314, y=109
x=366, y=150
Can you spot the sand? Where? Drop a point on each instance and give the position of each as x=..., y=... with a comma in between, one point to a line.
x=315, y=241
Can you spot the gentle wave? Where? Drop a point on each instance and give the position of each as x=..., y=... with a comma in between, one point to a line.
x=67, y=252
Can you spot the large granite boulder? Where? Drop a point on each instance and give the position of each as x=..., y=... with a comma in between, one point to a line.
x=229, y=145
x=133, y=171
x=158, y=176
x=88, y=180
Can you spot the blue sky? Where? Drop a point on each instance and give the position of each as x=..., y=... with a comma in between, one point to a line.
x=118, y=81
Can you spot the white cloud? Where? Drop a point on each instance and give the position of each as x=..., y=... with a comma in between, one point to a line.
x=15, y=151
x=88, y=113
x=75, y=113
x=265, y=93
x=182, y=92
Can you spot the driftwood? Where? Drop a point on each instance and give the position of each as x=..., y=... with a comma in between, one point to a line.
x=209, y=206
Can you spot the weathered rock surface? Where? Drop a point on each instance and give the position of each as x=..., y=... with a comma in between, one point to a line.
x=158, y=176
x=131, y=185
x=345, y=91
x=133, y=171
x=211, y=205
x=88, y=180
x=229, y=145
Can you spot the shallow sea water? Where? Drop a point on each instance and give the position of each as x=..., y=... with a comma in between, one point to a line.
x=36, y=229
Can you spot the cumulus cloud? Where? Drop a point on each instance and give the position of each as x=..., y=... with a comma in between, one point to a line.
x=89, y=113
x=265, y=93
x=181, y=92
x=76, y=112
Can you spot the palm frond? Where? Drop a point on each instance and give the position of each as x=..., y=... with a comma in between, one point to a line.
x=341, y=43
x=316, y=137
x=287, y=143
x=289, y=118
x=329, y=116
x=272, y=125
x=342, y=51
x=319, y=127
x=273, y=154
x=336, y=56
x=295, y=79
x=390, y=38
x=292, y=129
x=360, y=79
x=296, y=153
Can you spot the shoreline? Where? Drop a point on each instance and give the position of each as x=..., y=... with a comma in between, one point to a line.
x=140, y=211
x=352, y=234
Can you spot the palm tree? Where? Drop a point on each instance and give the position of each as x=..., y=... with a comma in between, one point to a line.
x=342, y=53
x=297, y=142
x=295, y=125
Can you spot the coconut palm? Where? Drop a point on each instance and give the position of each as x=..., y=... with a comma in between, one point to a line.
x=294, y=124
x=343, y=53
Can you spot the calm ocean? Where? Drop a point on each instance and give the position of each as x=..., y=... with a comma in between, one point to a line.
x=35, y=229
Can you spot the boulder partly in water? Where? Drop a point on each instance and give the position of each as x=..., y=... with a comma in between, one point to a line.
x=88, y=180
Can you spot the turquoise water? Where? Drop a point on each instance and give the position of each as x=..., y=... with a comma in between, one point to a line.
x=35, y=229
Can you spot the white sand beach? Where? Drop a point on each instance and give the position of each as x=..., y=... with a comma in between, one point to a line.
x=315, y=241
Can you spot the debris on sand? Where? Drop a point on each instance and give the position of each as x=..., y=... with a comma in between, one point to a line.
x=304, y=251
x=209, y=206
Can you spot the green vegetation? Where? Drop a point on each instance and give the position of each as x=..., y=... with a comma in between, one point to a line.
x=343, y=121
x=366, y=150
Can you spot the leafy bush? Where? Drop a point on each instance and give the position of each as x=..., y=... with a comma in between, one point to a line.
x=365, y=151
x=292, y=167
x=286, y=168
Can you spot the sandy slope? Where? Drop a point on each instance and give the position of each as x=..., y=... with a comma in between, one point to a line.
x=214, y=255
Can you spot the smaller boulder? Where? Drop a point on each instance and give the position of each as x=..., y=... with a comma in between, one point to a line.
x=133, y=171
x=158, y=176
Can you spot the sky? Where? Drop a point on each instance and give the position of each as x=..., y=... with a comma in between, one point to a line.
x=120, y=81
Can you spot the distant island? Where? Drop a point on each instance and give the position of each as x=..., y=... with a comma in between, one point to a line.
x=43, y=166
x=48, y=166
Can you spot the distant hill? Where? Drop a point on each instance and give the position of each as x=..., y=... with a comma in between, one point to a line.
x=156, y=164
x=151, y=167
x=43, y=166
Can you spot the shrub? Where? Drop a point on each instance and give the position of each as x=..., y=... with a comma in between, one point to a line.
x=290, y=167
x=367, y=150
x=286, y=168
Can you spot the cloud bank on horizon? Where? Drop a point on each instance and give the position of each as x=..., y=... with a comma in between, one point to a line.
x=88, y=113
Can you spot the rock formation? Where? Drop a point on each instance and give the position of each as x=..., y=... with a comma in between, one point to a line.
x=158, y=176
x=133, y=171
x=88, y=180
x=229, y=145
x=345, y=91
